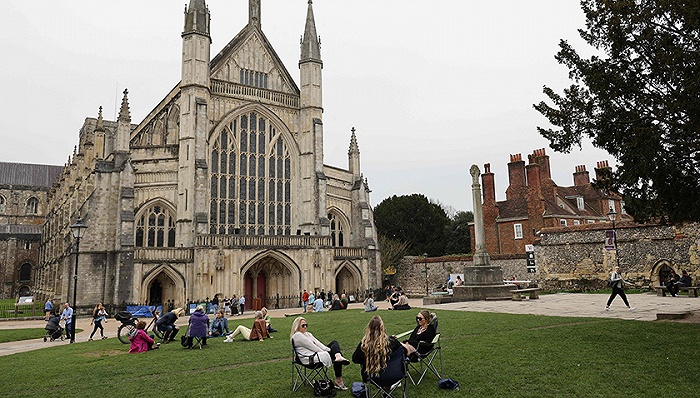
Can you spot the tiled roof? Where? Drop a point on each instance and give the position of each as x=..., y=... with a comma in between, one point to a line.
x=512, y=208
x=34, y=175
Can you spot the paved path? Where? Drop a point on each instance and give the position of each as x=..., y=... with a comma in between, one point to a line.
x=561, y=304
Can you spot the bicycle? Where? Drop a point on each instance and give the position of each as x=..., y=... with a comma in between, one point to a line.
x=128, y=326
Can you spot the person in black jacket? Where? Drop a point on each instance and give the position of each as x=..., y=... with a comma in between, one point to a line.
x=425, y=332
x=375, y=348
x=166, y=323
x=671, y=283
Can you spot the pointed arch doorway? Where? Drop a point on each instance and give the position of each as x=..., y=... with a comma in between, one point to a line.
x=163, y=284
x=348, y=279
x=267, y=276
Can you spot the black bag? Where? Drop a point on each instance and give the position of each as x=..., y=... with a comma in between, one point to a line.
x=448, y=384
x=324, y=388
x=123, y=316
x=610, y=283
x=183, y=341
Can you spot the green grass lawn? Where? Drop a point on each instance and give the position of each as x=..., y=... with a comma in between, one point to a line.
x=491, y=355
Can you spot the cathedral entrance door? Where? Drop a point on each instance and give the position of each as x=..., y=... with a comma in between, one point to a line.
x=261, y=291
x=155, y=293
x=345, y=282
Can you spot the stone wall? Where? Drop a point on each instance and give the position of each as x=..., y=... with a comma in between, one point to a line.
x=410, y=275
x=575, y=257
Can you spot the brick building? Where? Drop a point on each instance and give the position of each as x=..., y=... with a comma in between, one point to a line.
x=23, y=205
x=534, y=201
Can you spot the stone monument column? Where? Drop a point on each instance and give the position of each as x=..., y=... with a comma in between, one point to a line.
x=481, y=280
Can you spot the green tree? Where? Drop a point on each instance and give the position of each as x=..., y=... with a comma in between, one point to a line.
x=638, y=99
x=458, y=236
x=413, y=219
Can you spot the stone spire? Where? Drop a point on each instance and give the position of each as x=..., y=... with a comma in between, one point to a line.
x=100, y=123
x=124, y=113
x=123, y=125
x=196, y=18
x=254, y=13
x=354, y=155
x=310, y=43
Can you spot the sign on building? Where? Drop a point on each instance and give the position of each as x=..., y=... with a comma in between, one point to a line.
x=530, y=252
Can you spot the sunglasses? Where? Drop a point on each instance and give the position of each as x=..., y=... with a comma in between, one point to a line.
x=303, y=325
x=419, y=318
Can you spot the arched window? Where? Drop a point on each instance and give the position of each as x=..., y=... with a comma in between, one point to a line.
x=25, y=272
x=2, y=204
x=155, y=228
x=250, y=179
x=32, y=205
x=336, y=230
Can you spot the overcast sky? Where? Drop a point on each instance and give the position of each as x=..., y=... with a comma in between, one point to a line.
x=431, y=87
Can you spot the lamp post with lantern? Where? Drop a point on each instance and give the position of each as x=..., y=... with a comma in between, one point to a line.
x=78, y=231
x=612, y=215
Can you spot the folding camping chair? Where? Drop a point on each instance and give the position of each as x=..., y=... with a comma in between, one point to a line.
x=197, y=342
x=306, y=373
x=391, y=378
x=422, y=360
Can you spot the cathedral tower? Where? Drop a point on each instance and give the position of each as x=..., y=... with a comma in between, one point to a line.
x=313, y=189
x=194, y=99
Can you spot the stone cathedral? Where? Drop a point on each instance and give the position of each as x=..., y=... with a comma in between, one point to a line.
x=220, y=189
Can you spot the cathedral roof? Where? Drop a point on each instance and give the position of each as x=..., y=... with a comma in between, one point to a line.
x=33, y=175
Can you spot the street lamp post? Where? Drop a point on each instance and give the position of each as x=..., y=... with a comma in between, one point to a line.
x=425, y=262
x=78, y=231
x=612, y=215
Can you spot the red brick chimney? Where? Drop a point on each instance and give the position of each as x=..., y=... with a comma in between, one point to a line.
x=543, y=160
x=602, y=170
x=488, y=187
x=533, y=174
x=581, y=176
x=516, y=177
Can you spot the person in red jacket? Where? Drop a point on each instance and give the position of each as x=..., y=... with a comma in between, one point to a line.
x=305, y=299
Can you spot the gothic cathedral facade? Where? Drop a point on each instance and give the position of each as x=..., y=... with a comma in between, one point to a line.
x=220, y=189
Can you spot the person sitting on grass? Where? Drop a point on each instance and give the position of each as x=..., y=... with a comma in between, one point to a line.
x=166, y=324
x=259, y=331
x=318, y=305
x=267, y=319
x=402, y=304
x=140, y=341
x=198, y=325
x=219, y=326
x=335, y=303
x=344, y=302
x=369, y=303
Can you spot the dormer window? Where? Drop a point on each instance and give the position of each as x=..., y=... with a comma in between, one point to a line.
x=579, y=202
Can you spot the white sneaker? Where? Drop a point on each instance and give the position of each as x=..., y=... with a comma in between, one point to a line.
x=608, y=308
x=633, y=308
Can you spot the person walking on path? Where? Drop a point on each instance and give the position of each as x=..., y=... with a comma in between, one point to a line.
x=48, y=307
x=99, y=315
x=241, y=302
x=67, y=316
x=618, y=289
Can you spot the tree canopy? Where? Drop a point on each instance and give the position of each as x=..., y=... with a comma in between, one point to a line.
x=638, y=99
x=423, y=225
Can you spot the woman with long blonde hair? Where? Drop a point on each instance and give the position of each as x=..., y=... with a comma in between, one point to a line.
x=375, y=348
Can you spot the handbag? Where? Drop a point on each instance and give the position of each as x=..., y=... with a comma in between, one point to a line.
x=448, y=384
x=358, y=389
x=324, y=388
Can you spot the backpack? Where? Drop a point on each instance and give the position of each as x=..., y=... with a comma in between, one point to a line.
x=324, y=388
x=448, y=384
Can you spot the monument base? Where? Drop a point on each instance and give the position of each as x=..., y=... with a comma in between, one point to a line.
x=481, y=282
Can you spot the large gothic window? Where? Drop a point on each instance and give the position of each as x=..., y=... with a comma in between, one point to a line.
x=32, y=206
x=336, y=230
x=250, y=179
x=155, y=228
